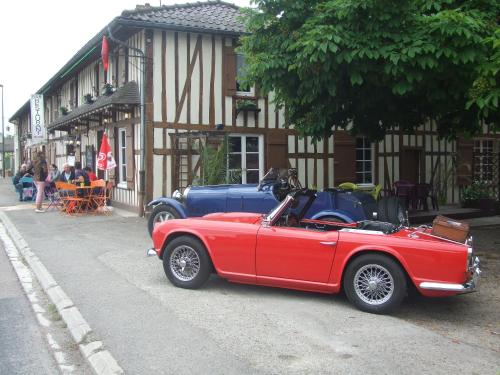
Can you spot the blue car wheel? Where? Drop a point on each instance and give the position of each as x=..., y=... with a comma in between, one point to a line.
x=161, y=213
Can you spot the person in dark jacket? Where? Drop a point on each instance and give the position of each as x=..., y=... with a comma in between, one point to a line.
x=67, y=175
x=40, y=172
x=22, y=172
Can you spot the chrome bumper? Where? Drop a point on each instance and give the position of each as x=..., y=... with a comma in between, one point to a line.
x=151, y=252
x=470, y=286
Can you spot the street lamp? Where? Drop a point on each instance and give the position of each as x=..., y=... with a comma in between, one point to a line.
x=3, y=138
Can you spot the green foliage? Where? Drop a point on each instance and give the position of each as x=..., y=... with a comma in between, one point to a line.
x=376, y=64
x=214, y=169
x=64, y=111
x=475, y=191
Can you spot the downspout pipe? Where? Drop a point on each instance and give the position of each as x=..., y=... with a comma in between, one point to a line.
x=142, y=176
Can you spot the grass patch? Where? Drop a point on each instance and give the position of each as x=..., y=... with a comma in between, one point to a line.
x=53, y=313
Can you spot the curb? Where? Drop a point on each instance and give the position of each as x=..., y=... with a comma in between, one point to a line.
x=100, y=360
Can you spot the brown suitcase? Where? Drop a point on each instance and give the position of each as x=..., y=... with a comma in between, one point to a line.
x=445, y=227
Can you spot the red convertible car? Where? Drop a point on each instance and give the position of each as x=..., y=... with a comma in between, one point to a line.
x=374, y=262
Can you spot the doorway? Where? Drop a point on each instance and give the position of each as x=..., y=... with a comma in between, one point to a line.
x=410, y=165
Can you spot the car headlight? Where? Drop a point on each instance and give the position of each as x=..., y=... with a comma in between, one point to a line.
x=185, y=193
x=177, y=195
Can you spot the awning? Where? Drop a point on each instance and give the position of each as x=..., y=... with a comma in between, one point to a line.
x=126, y=95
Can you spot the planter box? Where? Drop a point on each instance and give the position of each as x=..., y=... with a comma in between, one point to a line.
x=470, y=204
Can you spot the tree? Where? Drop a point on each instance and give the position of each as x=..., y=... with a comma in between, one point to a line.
x=376, y=64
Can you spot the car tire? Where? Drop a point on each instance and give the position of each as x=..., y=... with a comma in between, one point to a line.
x=160, y=213
x=186, y=262
x=392, y=211
x=375, y=283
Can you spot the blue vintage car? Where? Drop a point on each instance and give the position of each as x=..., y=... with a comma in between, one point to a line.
x=330, y=204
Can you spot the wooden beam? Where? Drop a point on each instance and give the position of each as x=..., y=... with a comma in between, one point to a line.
x=188, y=79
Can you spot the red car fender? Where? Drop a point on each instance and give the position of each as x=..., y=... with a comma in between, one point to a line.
x=342, y=258
x=166, y=238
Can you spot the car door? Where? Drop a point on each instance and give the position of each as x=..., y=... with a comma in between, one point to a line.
x=295, y=253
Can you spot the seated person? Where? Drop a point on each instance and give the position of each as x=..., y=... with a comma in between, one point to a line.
x=22, y=172
x=81, y=179
x=67, y=175
x=80, y=175
x=90, y=173
x=54, y=175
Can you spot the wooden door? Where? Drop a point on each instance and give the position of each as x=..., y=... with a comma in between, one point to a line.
x=410, y=165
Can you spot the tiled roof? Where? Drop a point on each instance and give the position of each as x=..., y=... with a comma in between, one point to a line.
x=125, y=95
x=212, y=16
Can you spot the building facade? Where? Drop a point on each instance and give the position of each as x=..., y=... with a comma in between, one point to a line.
x=192, y=95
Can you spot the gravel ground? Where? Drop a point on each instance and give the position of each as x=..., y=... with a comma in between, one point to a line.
x=472, y=318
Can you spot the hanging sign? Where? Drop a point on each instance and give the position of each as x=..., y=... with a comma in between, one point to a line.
x=37, y=118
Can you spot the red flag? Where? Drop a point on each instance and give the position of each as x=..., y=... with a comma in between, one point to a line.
x=105, y=56
x=105, y=160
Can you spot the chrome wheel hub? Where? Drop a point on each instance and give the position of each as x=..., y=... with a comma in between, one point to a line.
x=184, y=263
x=373, y=284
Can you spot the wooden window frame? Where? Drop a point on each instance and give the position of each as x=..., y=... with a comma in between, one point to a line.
x=122, y=158
x=364, y=171
x=244, y=153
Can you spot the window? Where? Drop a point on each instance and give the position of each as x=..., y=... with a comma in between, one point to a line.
x=245, y=159
x=240, y=66
x=484, y=160
x=363, y=161
x=122, y=158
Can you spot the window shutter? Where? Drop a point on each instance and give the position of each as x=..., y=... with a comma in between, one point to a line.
x=112, y=171
x=129, y=150
x=465, y=156
x=277, y=150
x=229, y=71
x=344, y=148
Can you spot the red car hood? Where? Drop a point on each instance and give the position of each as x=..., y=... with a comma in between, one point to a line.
x=235, y=217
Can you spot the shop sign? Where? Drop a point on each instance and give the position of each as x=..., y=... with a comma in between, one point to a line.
x=37, y=118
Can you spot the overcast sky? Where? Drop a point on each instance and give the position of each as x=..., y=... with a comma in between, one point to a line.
x=37, y=37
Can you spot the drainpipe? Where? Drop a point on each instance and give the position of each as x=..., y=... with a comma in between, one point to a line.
x=142, y=177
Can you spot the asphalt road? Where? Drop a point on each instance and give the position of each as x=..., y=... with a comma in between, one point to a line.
x=23, y=349
x=151, y=327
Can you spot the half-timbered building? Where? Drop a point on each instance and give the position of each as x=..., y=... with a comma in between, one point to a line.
x=192, y=92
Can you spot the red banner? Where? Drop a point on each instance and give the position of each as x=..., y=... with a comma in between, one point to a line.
x=105, y=56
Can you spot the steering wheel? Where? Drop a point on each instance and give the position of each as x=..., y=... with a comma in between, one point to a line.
x=292, y=220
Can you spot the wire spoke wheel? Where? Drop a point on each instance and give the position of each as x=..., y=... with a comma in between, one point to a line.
x=184, y=263
x=373, y=284
x=162, y=216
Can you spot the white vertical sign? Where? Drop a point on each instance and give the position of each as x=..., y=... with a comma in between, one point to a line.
x=37, y=118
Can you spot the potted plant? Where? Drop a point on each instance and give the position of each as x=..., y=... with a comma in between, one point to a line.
x=477, y=195
x=87, y=99
x=247, y=105
x=64, y=111
x=107, y=89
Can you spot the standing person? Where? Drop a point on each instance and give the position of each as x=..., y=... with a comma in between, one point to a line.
x=40, y=172
x=90, y=173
